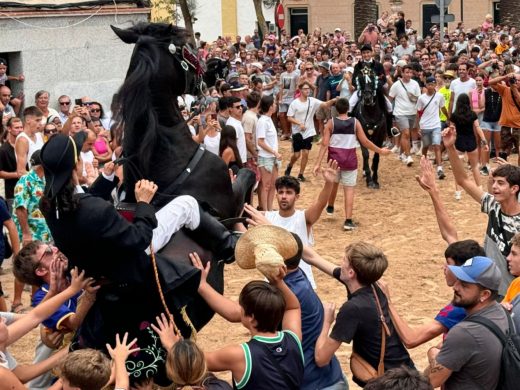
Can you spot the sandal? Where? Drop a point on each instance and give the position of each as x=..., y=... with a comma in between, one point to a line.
x=18, y=309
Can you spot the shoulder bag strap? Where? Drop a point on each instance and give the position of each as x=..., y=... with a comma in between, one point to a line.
x=426, y=106
x=276, y=364
x=514, y=100
x=307, y=113
x=384, y=332
x=401, y=81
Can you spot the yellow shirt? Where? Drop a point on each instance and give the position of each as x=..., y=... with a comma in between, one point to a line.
x=446, y=92
x=512, y=291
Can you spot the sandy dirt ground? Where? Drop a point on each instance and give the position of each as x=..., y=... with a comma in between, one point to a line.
x=398, y=218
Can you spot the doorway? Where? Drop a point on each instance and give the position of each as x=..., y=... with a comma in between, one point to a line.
x=298, y=19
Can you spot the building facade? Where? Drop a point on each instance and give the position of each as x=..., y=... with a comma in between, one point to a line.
x=70, y=50
x=329, y=14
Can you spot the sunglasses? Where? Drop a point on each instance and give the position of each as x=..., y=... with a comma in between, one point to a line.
x=238, y=107
x=309, y=69
x=47, y=251
x=64, y=103
x=95, y=110
x=50, y=131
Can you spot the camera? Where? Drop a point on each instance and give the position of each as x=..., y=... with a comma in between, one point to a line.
x=512, y=80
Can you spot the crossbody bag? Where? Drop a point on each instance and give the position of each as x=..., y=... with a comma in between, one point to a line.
x=410, y=95
x=362, y=369
x=421, y=112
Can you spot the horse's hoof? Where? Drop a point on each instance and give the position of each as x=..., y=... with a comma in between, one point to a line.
x=372, y=185
x=376, y=186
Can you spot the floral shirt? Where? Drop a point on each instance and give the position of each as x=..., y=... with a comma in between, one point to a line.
x=27, y=194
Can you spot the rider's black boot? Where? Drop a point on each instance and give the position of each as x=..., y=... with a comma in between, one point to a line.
x=214, y=236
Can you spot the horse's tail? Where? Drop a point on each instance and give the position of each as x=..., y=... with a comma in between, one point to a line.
x=135, y=109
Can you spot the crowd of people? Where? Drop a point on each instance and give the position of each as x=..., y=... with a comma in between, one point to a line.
x=446, y=96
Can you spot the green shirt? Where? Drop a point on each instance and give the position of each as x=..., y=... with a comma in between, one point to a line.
x=27, y=194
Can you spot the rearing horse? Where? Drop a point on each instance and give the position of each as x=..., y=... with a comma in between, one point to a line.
x=158, y=146
x=370, y=111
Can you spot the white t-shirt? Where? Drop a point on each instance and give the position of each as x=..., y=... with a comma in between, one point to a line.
x=430, y=118
x=297, y=224
x=241, y=137
x=457, y=87
x=265, y=129
x=403, y=105
x=298, y=110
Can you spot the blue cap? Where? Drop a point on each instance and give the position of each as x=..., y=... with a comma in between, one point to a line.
x=479, y=270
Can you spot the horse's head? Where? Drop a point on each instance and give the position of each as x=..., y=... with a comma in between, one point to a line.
x=368, y=96
x=216, y=68
x=165, y=46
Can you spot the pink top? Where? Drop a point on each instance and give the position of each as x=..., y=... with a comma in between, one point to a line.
x=486, y=26
x=100, y=146
x=474, y=97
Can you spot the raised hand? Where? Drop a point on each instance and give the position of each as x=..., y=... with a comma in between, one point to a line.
x=427, y=178
x=78, y=281
x=255, y=217
x=122, y=349
x=329, y=309
x=204, y=271
x=58, y=282
x=145, y=190
x=449, y=135
x=166, y=331
x=330, y=172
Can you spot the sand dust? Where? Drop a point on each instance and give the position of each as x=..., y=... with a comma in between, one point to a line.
x=398, y=218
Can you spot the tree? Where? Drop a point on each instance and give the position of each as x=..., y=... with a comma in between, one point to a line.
x=260, y=14
x=365, y=11
x=188, y=8
x=167, y=11
x=509, y=13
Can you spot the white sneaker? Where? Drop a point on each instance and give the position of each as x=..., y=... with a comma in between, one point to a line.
x=414, y=149
x=458, y=195
x=395, y=149
x=409, y=161
x=401, y=157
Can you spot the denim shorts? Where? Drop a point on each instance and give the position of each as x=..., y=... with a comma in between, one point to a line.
x=268, y=163
x=490, y=126
x=431, y=137
x=405, y=122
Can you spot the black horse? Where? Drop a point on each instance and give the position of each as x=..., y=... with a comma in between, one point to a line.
x=216, y=69
x=158, y=146
x=371, y=113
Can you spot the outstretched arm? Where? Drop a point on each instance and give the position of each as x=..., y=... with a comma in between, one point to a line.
x=225, y=307
x=325, y=345
x=313, y=213
x=411, y=337
x=427, y=183
x=310, y=256
x=448, y=138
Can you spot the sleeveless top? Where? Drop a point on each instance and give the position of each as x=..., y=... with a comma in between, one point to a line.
x=296, y=224
x=474, y=97
x=100, y=145
x=33, y=145
x=261, y=373
x=493, y=107
x=343, y=143
x=212, y=143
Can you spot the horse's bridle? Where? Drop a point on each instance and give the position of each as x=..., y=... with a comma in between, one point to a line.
x=185, y=57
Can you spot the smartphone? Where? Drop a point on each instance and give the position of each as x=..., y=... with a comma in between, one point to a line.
x=213, y=116
x=78, y=102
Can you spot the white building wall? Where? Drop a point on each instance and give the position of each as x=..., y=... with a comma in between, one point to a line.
x=209, y=18
x=87, y=59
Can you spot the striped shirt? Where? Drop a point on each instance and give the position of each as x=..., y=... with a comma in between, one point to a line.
x=343, y=143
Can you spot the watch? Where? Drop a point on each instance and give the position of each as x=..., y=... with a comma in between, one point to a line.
x=483, y=142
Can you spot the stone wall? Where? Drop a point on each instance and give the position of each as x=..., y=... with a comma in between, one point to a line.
x=83, y=59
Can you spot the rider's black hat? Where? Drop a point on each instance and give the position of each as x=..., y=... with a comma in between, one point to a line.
x=59, y=157
x=366, y=47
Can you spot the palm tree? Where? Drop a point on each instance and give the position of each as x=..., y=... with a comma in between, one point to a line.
x=509, y=13
x=365, y=11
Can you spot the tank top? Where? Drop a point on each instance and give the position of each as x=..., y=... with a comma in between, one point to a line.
x=100, y=146
x=474, y=97
x=493, y=106
x=261, y=373
x=343, y=143
x=212, y=143
x=296, y=224
x=35, y=145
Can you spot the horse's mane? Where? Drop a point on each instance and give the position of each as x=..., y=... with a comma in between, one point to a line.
x=135, y=111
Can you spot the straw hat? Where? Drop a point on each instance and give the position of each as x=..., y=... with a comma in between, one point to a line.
x=266, y=247
x=450, y=74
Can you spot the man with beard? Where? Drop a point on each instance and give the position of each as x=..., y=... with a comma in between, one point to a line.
x=471, y=354
x=300, y=221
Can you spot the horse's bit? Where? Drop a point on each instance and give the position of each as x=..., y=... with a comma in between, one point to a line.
x=186, y=58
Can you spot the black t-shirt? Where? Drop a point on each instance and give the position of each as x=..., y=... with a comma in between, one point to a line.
x=8, y=164
x=358, y=321
x=464, y=125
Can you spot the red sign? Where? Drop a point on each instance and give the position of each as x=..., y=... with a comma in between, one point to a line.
x=280, y=16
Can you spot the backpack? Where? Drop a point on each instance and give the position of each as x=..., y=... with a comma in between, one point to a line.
x=510, y=359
